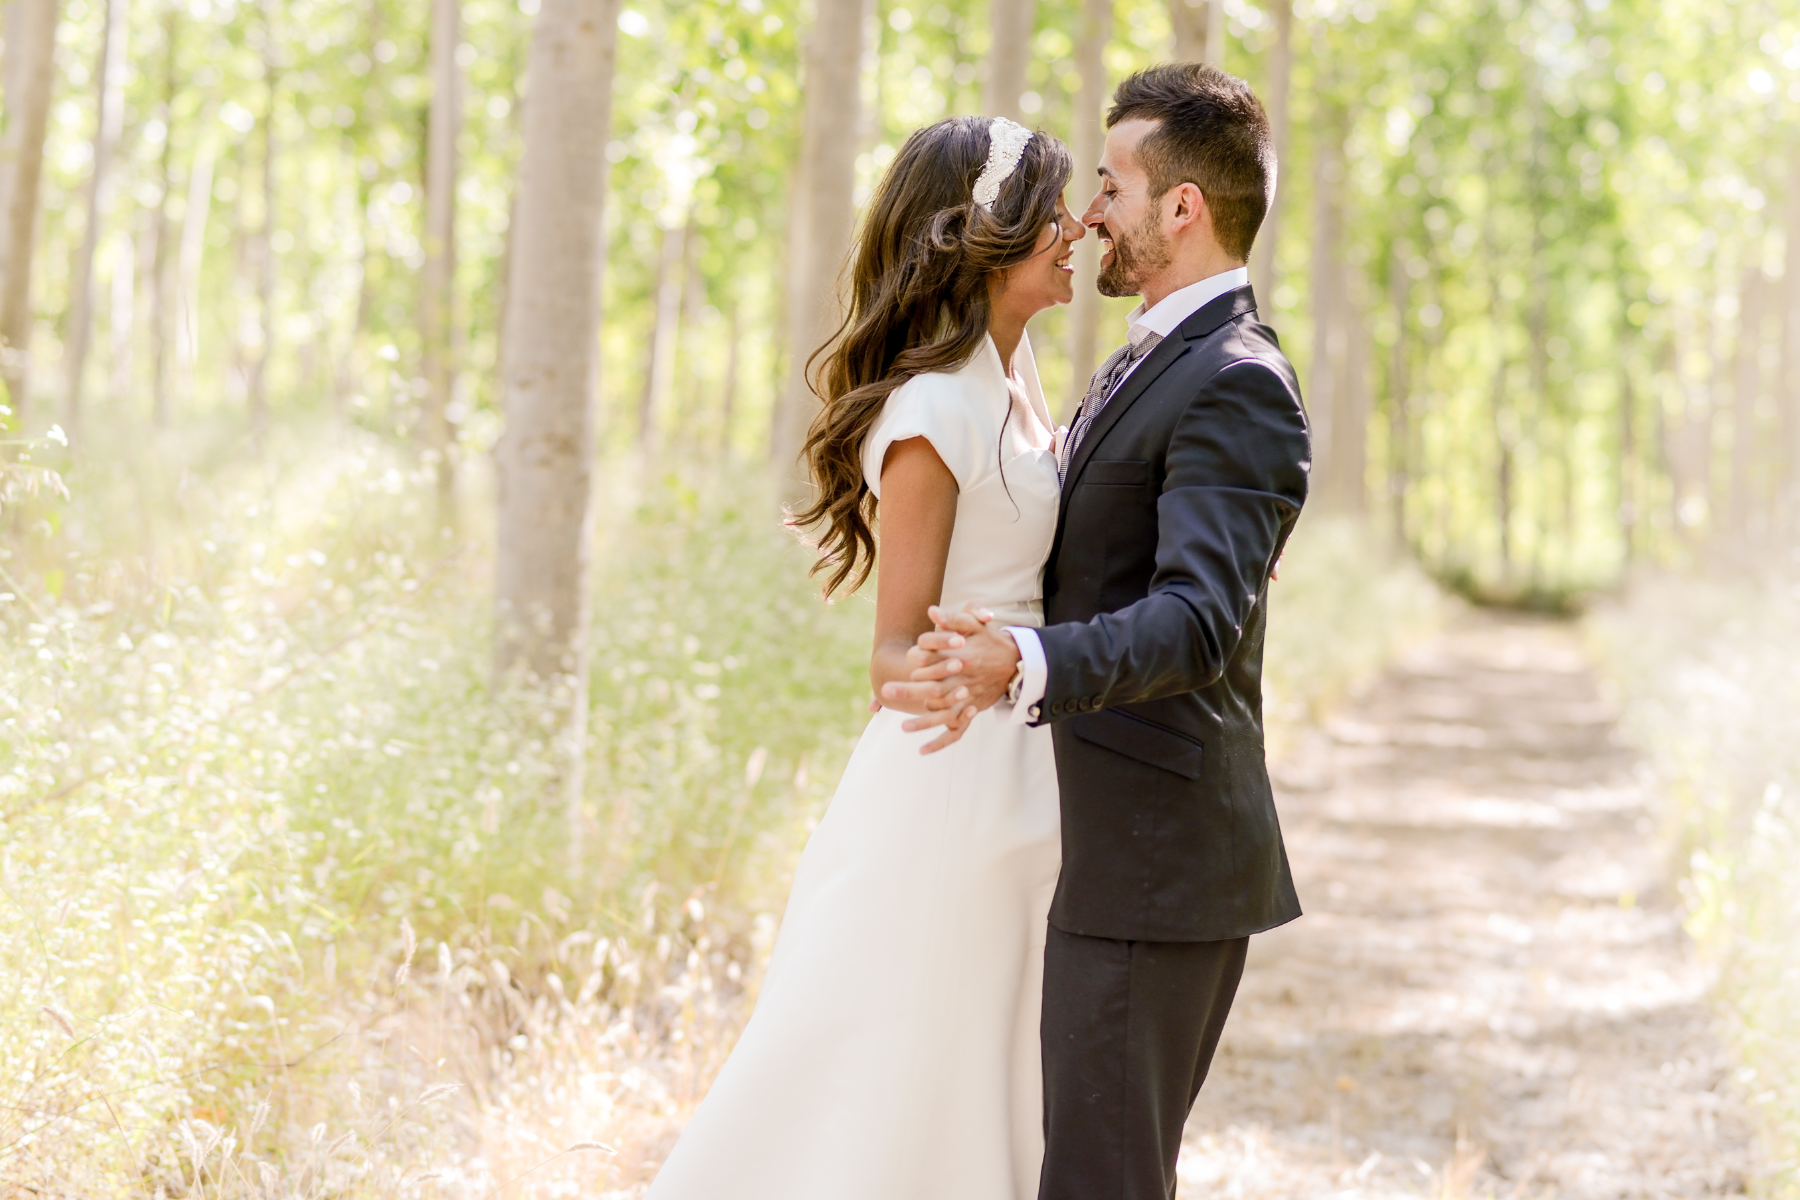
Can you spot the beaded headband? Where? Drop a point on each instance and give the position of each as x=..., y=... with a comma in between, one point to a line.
x=1006, y=145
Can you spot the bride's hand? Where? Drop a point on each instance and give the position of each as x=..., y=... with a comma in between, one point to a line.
x=959, y=668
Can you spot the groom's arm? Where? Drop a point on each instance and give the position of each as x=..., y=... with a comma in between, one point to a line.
x=1237, y=467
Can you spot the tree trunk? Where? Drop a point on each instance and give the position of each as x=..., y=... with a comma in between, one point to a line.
x=1199, y=28
x=1281, y=67
x=1789, y=453
x=1504, y=425
x=1399, y=389
x=1349, y=482
x=121, y=311
x=665, y=331
x=734, y=341
x=552, y=350
x=257, y=385
x=192, y=251
x=1537, y=331
x=1689, y=436
x=1627, y=483
x=109, y=79
x=162, y=306
x=823, y=218
x=1746, y=393
x=1011, y=24
x=1090, y=140
x=437, y=304
x=29, y=68
x=1328, y=398
x=551, y=354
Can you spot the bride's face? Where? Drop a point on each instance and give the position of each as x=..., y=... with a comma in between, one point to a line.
x=1046, y=278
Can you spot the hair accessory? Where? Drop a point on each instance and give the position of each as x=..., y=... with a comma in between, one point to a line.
x=1006, y=145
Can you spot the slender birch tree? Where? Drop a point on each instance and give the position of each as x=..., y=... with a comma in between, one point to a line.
x=1199, y=29
x=1325, y=378
x=551, y=357
x=437, y=281
x=109, y=119
x=162, y=284
x=1276, y=100
x=1746, y=395
x=1090, y=140
x=1010, y=25
x=550, y=360
x=29, y=68
x=665, y=331
x=823, y=215
x=1789, y=352
x=193, y=247
x=1399, y=388
x=268, y=266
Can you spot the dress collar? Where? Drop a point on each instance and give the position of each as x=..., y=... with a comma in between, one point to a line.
x=1024, y=368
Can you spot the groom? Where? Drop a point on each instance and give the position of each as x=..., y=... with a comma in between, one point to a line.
x=1184, y=471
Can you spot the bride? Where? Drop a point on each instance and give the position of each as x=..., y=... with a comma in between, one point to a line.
x=893, y=1053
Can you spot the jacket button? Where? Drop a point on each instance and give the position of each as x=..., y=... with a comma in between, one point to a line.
x=1056, y=709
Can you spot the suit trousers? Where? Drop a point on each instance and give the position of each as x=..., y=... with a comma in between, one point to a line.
x=1129, y=1030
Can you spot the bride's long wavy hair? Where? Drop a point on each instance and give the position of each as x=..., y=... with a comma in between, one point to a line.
x=918, y=302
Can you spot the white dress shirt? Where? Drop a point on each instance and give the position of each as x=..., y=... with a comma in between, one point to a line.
x=1164, y=319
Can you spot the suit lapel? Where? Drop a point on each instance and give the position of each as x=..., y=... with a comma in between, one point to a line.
x=1203, y=322
x=1135, y=385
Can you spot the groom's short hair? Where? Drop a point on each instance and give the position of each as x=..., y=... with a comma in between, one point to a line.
x=1214, y=135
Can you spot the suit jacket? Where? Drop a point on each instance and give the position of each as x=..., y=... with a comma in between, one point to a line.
x=1175, y=508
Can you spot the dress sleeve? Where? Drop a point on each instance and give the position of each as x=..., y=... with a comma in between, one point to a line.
x=932, y=407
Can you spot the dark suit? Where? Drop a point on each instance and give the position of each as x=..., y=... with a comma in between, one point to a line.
x=1176, y=506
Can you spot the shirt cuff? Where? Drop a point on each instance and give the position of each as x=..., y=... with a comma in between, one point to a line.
x=1034, y=668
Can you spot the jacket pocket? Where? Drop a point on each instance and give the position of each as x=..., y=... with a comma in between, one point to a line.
x=1117, y=472
x=1137, y=738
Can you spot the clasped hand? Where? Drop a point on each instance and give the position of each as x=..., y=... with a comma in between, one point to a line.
x=959, y=668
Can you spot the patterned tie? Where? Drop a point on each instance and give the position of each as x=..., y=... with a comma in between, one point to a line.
x=1106, y=380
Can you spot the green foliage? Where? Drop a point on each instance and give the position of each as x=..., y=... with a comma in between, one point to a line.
x=1708, y=676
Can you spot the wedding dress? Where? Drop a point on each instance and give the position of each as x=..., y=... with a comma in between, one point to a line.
x=893, y=1053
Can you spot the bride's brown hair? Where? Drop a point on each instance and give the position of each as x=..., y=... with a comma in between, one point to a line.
x=918, y=303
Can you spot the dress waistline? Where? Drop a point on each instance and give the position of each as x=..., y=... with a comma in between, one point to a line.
x=1008, y=612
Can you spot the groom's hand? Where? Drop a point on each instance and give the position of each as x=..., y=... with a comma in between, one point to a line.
x=960, y=668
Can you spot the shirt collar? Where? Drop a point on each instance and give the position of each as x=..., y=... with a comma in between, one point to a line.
x=1181, y=304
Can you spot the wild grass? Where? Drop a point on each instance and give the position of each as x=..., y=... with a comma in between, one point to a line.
x=288, y=908
x=262, y=822
x=1707, y=673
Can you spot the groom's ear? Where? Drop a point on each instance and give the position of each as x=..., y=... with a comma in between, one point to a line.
x=1189, y=207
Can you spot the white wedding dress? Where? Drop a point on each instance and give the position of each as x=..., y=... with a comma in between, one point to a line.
x=893, y=1053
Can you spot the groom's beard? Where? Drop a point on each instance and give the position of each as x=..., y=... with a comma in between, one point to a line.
x=1137, y=254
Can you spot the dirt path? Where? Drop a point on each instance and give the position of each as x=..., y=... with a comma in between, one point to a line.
x=1488, y=947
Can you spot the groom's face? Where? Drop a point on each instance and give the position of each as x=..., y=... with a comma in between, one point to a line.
x=1125, y=216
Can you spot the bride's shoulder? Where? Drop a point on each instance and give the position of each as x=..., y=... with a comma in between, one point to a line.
x=950, y=409
x=973, y=393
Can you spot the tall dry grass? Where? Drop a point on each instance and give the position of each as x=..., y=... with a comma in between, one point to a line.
x=269, y=843
x=287, y=904
x=1707, y=674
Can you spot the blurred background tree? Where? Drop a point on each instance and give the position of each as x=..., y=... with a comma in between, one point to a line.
x=1531, y=257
